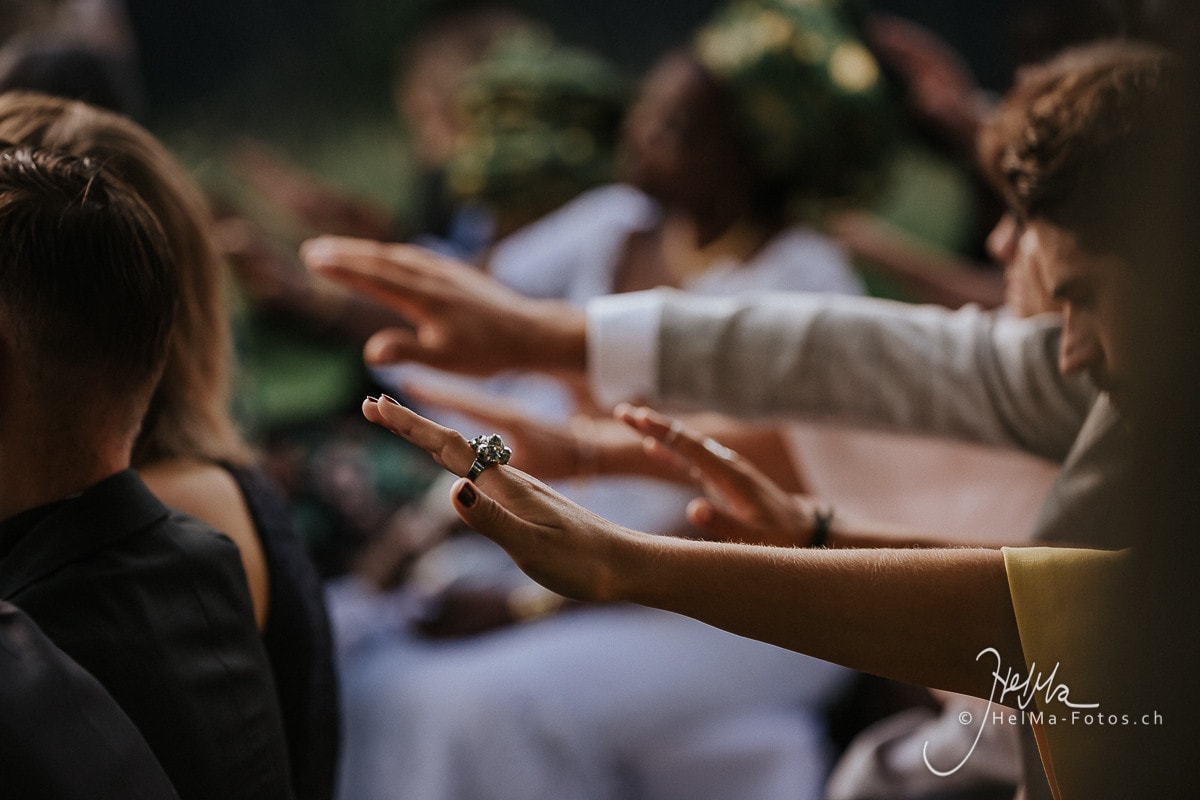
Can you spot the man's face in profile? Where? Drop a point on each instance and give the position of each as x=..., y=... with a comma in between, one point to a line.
x=1107, y=312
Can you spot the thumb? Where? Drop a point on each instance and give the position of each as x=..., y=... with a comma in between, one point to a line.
x=484, y=514
x=720, y=524
x=392, y=346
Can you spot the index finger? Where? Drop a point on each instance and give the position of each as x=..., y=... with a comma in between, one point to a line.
x=447, y=447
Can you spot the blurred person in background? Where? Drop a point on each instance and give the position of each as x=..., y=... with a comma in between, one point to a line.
x=715, y=219
x=817, y=333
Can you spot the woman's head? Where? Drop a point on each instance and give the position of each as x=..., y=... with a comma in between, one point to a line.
x=433, y=64
x=681, y=144
x=798, y=93
x=540, y=122
x=189, y=415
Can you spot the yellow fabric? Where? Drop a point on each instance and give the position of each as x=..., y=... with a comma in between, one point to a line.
x=1087, y=624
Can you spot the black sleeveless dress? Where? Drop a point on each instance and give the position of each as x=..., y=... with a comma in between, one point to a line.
x=298, y=640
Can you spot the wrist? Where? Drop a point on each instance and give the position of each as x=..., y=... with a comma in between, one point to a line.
x=626, y=567
x=583, y=435
x=620, y=451
x=559, y=336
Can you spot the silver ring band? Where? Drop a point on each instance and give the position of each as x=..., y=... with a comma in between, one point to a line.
x=489, y=451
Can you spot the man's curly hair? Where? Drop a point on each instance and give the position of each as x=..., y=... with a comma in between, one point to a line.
x=1071, y=140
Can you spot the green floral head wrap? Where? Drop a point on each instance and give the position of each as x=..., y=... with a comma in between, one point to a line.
x=541, y=125
x=812, y=100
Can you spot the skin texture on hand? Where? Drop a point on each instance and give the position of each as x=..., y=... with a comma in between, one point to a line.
x=461, y=320
x=915, y=615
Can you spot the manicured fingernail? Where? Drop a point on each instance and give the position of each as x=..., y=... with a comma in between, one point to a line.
x=391, y=400
x=467, y=495
x=371, y=399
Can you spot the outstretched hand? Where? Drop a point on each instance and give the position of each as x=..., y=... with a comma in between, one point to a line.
x=560, y=545
x=462, y=320
x=940, y=84
x=547, y=450
x=740, y=503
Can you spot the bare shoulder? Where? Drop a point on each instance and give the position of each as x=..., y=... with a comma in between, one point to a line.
x=201, y=489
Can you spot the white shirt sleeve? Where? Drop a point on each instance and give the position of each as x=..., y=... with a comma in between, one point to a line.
x=622, y=345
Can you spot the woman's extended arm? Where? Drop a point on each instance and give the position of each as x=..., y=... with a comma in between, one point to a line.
x=915, y=615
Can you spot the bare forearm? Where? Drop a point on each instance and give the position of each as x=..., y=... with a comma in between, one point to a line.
x=621, y=453
x=854, y=533
x=914, y=615
x=556, y=334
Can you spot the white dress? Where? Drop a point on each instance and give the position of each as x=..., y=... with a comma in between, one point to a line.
x=600, y=703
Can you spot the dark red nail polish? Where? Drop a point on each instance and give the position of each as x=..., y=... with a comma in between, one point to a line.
x=391, y=400
x=467, y=495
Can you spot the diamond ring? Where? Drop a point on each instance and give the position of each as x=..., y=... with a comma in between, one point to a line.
x=489, y=451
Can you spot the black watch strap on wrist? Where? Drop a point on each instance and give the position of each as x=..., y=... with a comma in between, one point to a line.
x=822, y=520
